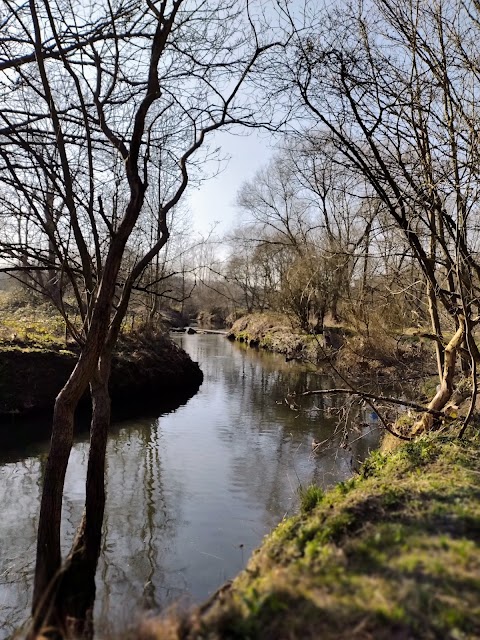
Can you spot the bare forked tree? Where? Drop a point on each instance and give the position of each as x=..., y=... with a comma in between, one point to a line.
x=393, y=86
x=302, y=213
x=106, y=107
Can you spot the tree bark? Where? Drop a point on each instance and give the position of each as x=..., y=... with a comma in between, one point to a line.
x=445, y=390
x=48, y=560
x=75, y=596
x=436, y=328
x=66, y=604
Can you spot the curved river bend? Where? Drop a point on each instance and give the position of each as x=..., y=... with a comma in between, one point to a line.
x=190, y=493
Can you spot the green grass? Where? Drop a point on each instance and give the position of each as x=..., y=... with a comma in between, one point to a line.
x=29, y=325
x=310, y=497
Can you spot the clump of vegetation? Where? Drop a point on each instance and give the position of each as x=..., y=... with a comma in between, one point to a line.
x=30, y=323
x=392, y=553
x=309, y=498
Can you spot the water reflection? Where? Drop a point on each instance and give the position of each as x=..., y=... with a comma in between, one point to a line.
x=190, y=494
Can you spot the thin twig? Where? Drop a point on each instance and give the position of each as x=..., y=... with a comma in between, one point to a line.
x=372, y=396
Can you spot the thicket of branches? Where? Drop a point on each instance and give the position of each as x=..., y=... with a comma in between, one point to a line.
x=373, y=204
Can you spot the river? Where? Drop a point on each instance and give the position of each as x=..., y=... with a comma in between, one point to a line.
x=190, y=493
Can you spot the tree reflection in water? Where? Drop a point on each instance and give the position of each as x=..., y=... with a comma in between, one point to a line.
x=189, y=494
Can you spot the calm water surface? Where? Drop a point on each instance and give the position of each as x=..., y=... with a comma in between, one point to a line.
x=190, y=493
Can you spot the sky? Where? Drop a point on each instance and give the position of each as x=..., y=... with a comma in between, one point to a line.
x=213, y=204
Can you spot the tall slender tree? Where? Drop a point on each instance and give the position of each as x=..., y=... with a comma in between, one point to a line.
x=101, y=105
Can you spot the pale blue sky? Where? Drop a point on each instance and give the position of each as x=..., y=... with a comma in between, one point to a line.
x=214, y=201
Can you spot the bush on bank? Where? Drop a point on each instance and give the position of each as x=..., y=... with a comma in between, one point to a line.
x=379, y=351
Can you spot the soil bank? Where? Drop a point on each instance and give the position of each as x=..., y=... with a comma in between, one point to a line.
x=384, y=355
x=146, y=370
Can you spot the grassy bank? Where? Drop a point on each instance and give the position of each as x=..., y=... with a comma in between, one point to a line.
x=36, y=359
x=274, y=332
x=393, y=553
x=379, y=351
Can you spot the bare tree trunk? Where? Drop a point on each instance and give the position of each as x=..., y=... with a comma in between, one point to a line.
x=48, y=562
x=436, y=328
x=67, y=602
x=432, y=298
x=75, y=596
x=48, y=541
x=155, y=297
x=445, y=390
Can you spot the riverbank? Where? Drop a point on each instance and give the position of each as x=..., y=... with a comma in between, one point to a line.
x=384, y=354
x=392, y=553
x=147, y=368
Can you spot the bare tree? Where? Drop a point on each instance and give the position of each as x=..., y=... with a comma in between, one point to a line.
x=299, y=210
x=103, y=105
x=251, y=271
x=392, y=87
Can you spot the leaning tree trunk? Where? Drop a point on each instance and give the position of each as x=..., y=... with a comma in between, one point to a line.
x=445, y=389
x=48, y=569
x=48, y=560
x=75, y=595
x=436, y=328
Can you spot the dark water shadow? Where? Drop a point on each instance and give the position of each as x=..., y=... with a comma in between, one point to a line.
x=23, y=436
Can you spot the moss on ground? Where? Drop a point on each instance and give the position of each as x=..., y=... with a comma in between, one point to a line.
x=393, y=553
